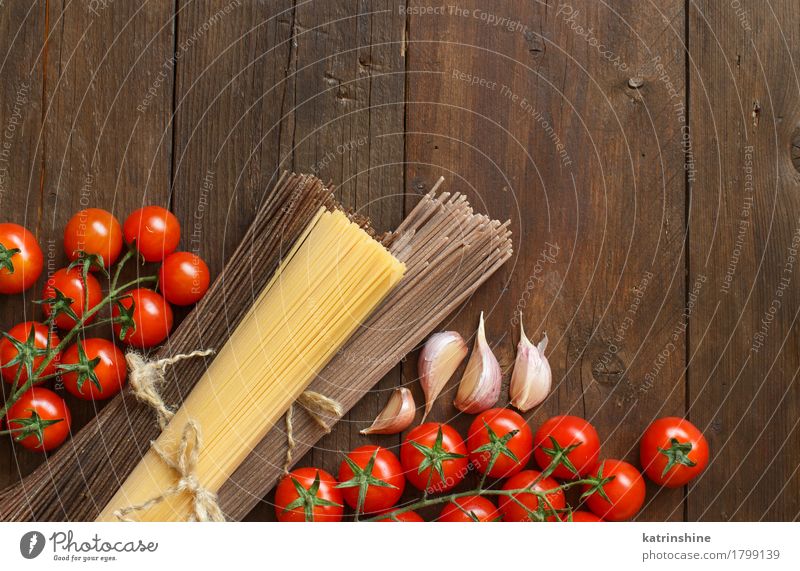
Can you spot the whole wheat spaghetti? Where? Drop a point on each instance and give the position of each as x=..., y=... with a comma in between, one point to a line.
x=327, y=285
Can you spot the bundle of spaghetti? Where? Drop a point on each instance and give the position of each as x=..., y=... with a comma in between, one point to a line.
x=449, y=252
x=80, y=478
x=326, y=286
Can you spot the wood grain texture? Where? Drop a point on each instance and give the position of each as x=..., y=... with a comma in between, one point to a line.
x=83, y=142
x=99, y=150
x=349, y=89
x=491, y=107
x=636, y=256
x=79, y=479
x=745, y=230
x=22, y=60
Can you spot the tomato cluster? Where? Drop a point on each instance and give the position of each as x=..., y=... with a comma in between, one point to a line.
x=92, y=368
x=435, y=459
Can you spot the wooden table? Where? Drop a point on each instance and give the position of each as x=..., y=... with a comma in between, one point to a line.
x=646, y=153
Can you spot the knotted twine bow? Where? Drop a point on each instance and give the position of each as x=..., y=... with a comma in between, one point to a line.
x=145, y=379
x=204, y=505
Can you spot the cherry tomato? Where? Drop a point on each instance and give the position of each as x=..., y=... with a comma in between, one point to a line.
x=94, y=381
x=567, y=431
x=490, y=434
x=308, y=494
x=513, y=511
x=69, y=283
x=469, y=508
x=373, y=475
x=21, y=259
x=409, y=516
x=44, y=416
x=151, y=316
x=673, y=452
x=625, y=491
x=183, y=278
x=426, y=448
x=9, y=352
x=155, y=232
x=94, y=231
x=581, y=516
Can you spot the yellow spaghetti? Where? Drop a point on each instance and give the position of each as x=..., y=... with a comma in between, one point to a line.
x=333, y=277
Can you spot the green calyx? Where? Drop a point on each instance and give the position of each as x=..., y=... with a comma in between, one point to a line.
x=596, y=484
x=363, y=479
x=34, y=425
x=125, y=318
x=27, y=352
x=88, y=262
x=84, y=368
x=59, y=305
x=497, y=445
x=308, y=499
x=6, y=255
x=559, y=456
x=435, y=456
x=677, y=454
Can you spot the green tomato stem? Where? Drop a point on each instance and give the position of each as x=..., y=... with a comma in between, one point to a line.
x=113, y=294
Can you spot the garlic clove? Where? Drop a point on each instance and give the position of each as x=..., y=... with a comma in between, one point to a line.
x=480, y=386
x=396, y=416
x=532, y=378
x=438, y=360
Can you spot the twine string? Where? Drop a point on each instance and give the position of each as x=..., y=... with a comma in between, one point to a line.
x=318, y=406
x=146, y=378
x=204, y=504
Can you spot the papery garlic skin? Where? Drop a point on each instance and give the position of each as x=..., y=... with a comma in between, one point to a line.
x=532, y=378
x=396, y=416
x=438, y=360
x=479, y=389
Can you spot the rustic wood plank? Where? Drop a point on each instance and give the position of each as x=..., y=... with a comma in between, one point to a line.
x=83, y=142
x=22, y=60
x=348, y=123
x=515, y=106
x=316, y=87
x=745, y=229
x=100, y=150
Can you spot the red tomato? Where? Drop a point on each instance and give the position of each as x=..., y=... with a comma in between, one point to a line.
x=491, y=435
x=511, y=509
x=469, y=508
x=44, y=416
x=581, y=517
x=154, y=230
x=9, y=352
x=567, y=431
x=308, y=494
x=426, y=449
x=373, y=477
x=94, y=231
x=673, y=451
x=69, y=283
x=99, y=380
x=151, y=315
x=21, y=259
x=625, y=491
x=183, y=278
x=409, y=516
